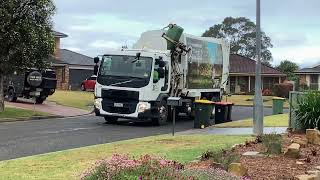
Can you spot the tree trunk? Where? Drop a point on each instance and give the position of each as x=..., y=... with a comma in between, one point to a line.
x=1, y=93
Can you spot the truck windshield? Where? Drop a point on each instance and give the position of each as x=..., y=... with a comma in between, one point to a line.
x=126, y=66
x=125, y=71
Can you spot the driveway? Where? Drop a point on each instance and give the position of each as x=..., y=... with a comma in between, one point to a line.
x=48, y=107
x=19, y=139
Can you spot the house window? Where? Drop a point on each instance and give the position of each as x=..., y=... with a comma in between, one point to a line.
x=314, y=81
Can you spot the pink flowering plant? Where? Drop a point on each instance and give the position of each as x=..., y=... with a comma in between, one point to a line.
x=148, y=168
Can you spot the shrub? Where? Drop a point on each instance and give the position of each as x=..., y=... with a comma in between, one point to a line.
x=282, y=90
x=307, y=111
x=272, y=142
x=222, y=157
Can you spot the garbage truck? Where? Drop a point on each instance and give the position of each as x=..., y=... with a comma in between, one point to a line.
x=136, y=83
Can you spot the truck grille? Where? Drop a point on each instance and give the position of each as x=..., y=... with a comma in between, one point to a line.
x=120, y=95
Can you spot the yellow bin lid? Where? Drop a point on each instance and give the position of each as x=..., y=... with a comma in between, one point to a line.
x=204, y=102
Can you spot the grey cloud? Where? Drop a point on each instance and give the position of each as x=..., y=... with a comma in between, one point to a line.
x=194, y=16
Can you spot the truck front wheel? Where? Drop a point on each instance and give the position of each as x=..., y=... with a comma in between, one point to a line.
x=111, y=120
x=163, y=114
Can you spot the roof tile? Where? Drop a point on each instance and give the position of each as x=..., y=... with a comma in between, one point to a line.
x=241, y=64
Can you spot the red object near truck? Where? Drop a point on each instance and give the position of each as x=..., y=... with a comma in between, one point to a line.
x=89, y=84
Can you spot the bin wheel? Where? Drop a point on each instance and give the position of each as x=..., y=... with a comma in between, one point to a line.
x=111, y=120
x=163, y=114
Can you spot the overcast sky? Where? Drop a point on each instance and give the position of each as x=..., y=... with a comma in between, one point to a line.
x=94, y=26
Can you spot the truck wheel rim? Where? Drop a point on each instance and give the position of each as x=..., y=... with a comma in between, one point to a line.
x=163, y=113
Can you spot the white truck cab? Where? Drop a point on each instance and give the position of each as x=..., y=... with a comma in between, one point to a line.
x=130, y=83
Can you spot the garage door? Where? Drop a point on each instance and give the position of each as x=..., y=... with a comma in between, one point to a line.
x=76, y=76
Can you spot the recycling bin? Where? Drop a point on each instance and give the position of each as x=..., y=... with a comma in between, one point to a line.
x=203, y=111
x=221, y=112
x=277, y=105
x=229, y=116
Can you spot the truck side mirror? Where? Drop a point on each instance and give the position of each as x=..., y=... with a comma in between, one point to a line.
x=161, y=72
x=95, y=69
x=96, y=60
x=160, y=62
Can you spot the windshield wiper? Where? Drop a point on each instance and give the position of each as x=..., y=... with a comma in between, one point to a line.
x=123, y=82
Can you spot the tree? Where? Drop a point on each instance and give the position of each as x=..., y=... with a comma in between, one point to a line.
x=26, y=36
x=287, y=67
x=241, y=33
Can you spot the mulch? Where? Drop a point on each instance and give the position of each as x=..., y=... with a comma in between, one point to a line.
x=276, y=167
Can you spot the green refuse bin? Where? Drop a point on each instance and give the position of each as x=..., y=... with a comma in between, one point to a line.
x=174, y=33
x=203, y=112
x=277, y=106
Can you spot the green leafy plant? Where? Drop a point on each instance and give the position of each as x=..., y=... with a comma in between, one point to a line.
x=273, y=143
x=223, y=158
x=307, y=111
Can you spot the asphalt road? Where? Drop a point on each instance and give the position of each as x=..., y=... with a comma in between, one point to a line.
x=20, y=139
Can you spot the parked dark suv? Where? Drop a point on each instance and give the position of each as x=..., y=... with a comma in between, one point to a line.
x=17, y=85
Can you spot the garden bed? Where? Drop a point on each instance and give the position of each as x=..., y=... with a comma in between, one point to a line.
x=276, y=167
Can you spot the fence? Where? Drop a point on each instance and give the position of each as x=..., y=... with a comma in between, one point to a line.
x=294, y=98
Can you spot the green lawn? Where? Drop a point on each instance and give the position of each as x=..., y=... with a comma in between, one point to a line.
x=70, y=164
x=14, y=113
x=246, y=100
x=77, y=99
x=281, y=120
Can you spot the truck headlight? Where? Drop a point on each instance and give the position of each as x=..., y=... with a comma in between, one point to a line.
x=97, y=103
x=143, y=106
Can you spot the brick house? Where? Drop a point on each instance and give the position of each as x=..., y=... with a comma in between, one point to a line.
x=309, y=78
x=242, y=75
x=71, y=67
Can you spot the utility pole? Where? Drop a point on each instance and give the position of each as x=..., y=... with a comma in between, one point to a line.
x=258, y=102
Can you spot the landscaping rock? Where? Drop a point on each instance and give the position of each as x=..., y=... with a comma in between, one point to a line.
x=252, y=153
x=318, y=168
x=299, y=163
x=317, y=173
x=313, y=136
x=300, y=141
x=216, y=165
x=306, y=177
x=237, y=169
x=293, y=151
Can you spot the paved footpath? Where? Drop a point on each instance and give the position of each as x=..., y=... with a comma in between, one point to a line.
x=234, y=131
x=49, y=107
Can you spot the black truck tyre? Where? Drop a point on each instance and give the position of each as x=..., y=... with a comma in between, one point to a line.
x=12, y=96
x=111, y=120
x=163, y=114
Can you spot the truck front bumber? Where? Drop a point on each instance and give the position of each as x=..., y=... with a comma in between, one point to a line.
x=142, y=112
